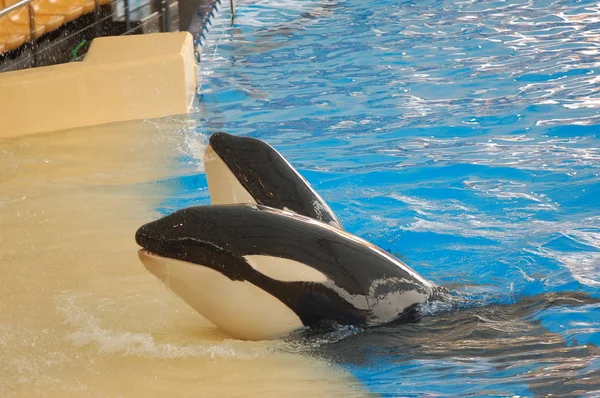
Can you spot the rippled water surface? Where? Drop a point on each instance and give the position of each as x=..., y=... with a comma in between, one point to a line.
x=463, y=137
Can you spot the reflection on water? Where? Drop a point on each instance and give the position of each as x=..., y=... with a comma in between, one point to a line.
x=499, y=350
x=431, y=62
x=80, y=314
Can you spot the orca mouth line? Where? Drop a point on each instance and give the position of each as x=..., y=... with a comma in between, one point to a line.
x=148, y=252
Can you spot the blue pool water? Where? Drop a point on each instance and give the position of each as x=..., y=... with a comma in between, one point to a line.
x=462, y=136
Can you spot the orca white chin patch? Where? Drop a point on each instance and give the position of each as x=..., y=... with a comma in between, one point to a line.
x=239, y=308
x=223, y=185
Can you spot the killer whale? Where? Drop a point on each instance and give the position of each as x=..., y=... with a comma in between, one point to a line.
x=248, y=170
x=260, y=273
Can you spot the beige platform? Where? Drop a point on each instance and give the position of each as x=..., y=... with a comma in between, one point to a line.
x=121, y=78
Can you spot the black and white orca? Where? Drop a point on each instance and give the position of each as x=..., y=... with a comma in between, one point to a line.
x=248, y=170
x=260, y=273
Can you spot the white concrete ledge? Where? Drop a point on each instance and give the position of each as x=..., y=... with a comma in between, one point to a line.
x=121, y=78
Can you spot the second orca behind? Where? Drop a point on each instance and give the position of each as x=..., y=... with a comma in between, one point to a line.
x=259, y=273
x=248, y=170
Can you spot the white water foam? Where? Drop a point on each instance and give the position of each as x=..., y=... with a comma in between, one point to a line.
x=88, y=331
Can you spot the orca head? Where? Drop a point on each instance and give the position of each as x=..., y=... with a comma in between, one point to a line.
x=248, y=170
x=181, y=250
x=185, y=235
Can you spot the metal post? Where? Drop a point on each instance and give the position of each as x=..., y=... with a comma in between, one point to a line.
x=161, y=19
x=127, y=16
x=167, y=4
x=32, y=35
x=97, y=18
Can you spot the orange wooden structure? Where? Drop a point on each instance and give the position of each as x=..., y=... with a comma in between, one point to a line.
x=48, y=15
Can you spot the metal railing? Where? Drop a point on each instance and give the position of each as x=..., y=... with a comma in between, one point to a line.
x=162, y=7
x=125, y=17
x=13, y=7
